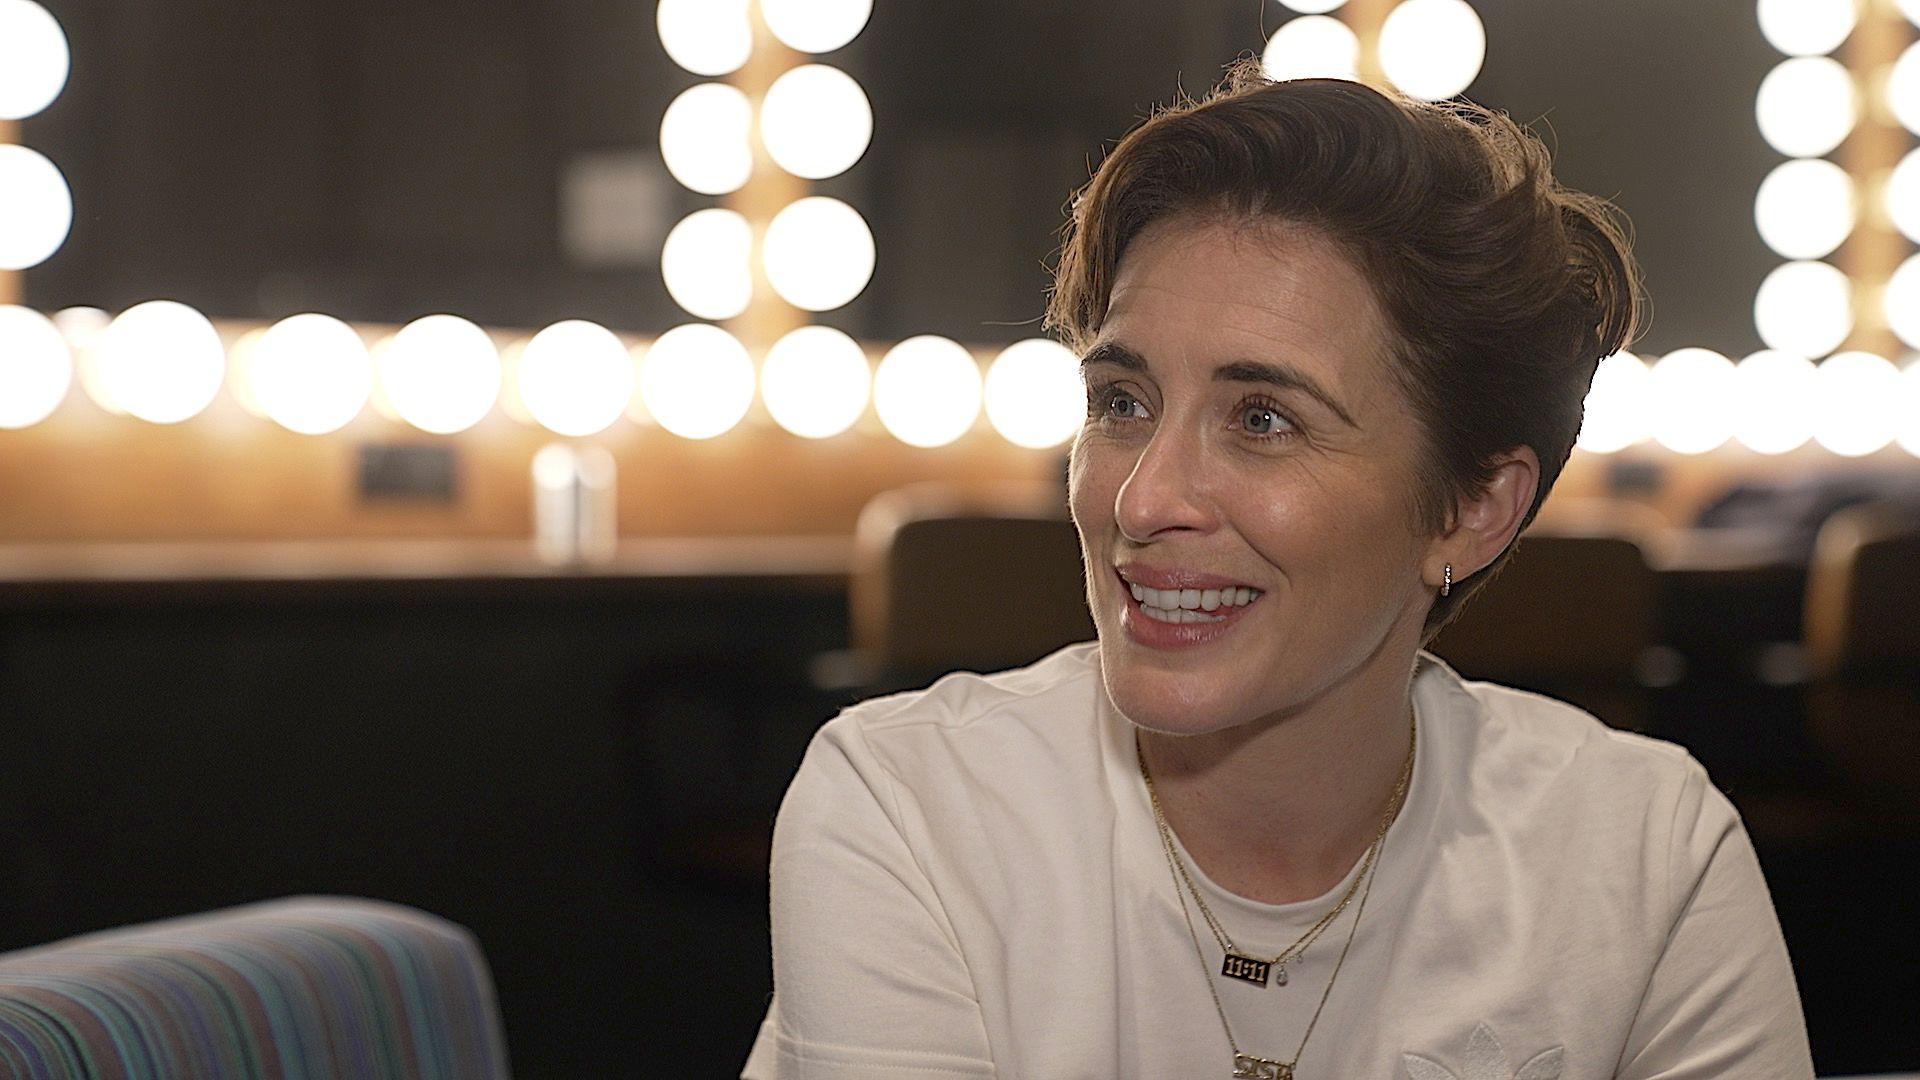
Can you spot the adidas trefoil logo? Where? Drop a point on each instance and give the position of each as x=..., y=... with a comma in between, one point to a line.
x=1486, y=1061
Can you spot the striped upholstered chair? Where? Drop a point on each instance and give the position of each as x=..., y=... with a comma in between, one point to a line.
x=305, y=987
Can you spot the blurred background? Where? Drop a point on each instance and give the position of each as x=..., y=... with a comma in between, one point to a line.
x=456, y=453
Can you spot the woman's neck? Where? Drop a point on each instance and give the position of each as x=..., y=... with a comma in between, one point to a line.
x=1280, y=809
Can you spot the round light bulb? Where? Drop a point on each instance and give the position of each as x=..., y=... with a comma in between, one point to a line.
x=1693, y=409
x=310, y=373
x=36, y=367
x=927, y=391
x=1806, y=106
x=1312, y=7
x=1034, y=395
x=161, y=361
x=1618, y=409
x=1433, y=49
x=816, y=382
x=1908, y=433
x=815, y=121
x=818, y=253
x=1804, y=308
x=1903, y=196
x=1856, y=403
x=575, y=378
x=1806, y=27
x=1901, y=302
x=1805, y=208
x=440, y=373
x=704, y=138
x=1312, y=46
x=33, y=59
x=707, y=37
x=707, y=262
x=82, y=327
x=1771, y=391
x=36, y=208
x=816, y=26
x=1903, y=88
x=697, y=381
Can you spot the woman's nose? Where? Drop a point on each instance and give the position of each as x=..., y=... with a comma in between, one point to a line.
x=1166, y=490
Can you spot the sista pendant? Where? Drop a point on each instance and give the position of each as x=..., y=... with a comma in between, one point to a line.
x=1259, y=1068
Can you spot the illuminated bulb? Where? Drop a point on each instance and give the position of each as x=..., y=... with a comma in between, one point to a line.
x=33, y=59
x=161, y=361
x=815, y=26
x=1901, y=302
x=1903, y=88
x=697, y=381
x=1034, y=394
x=815, y=121
x=240, y=372
x=1806, y=27
x=36, y=368
x=440, y=373
x=1856, y=403
x=707, y=37
x=311, y=373
x=1618, y=411
x=707, y=262
x=703, y=138
x=1312, y=46
x=1312, y=7
x=1804, y=308
x=1903, y=196
x=1693, y=409
x=927, y=391
x=1432, y=49
x=1908, y=434
x=1805, y=208
x=816, y=382
x=1771, y=392
x=1806, y=106
x=36, y=208
x=575, y=378
x=818, y=253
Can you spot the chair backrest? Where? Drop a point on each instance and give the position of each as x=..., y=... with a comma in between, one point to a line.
x=305, y=987
x=985, y=578
x=1862, y=615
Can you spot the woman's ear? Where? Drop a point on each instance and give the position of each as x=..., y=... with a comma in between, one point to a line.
x=1486, y=523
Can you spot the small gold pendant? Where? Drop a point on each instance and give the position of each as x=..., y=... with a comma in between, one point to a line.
x=1247, y=969
x=1248, y=1067
x=1280, y=975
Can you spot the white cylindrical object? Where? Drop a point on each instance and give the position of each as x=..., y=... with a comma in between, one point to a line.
x=575, y=505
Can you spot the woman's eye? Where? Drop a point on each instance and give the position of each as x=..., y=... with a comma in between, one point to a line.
x=1266, y=422
x=1106, y=398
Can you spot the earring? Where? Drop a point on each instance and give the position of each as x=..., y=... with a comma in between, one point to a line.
x=1446, y=583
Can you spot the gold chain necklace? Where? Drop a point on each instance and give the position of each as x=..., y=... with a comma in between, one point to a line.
x=1248, y=1066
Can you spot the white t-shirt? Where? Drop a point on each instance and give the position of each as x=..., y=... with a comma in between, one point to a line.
x=967, y=881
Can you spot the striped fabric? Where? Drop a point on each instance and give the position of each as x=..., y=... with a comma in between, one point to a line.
x=303, y=987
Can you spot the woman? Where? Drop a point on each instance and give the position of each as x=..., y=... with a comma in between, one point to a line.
x=1336, y=344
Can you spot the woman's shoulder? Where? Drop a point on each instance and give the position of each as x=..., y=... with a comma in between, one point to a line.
x=1043, y=712
x=1536, y=749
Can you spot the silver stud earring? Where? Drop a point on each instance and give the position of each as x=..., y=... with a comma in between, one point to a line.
x=1446, y=583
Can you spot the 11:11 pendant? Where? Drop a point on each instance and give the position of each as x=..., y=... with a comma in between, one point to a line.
x=1247, y=969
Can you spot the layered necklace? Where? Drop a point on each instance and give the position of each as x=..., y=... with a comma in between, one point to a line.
x=1237, y=964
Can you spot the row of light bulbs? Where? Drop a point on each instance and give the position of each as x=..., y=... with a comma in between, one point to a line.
x=164, y=362
x=1808, y=205
x=1431, y=49
x=36, y=206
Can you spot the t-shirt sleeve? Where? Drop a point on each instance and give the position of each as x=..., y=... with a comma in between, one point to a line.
x=1722, y=999
x=869, y=980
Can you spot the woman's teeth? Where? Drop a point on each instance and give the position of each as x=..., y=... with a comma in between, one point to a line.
x=1186, y=605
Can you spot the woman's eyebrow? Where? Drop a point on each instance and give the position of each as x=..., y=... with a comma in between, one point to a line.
x=1253, y=371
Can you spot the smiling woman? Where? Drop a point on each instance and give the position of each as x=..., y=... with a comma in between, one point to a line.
x=1335, y=344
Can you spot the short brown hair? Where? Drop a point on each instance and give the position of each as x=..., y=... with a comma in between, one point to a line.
x=1504, y=289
